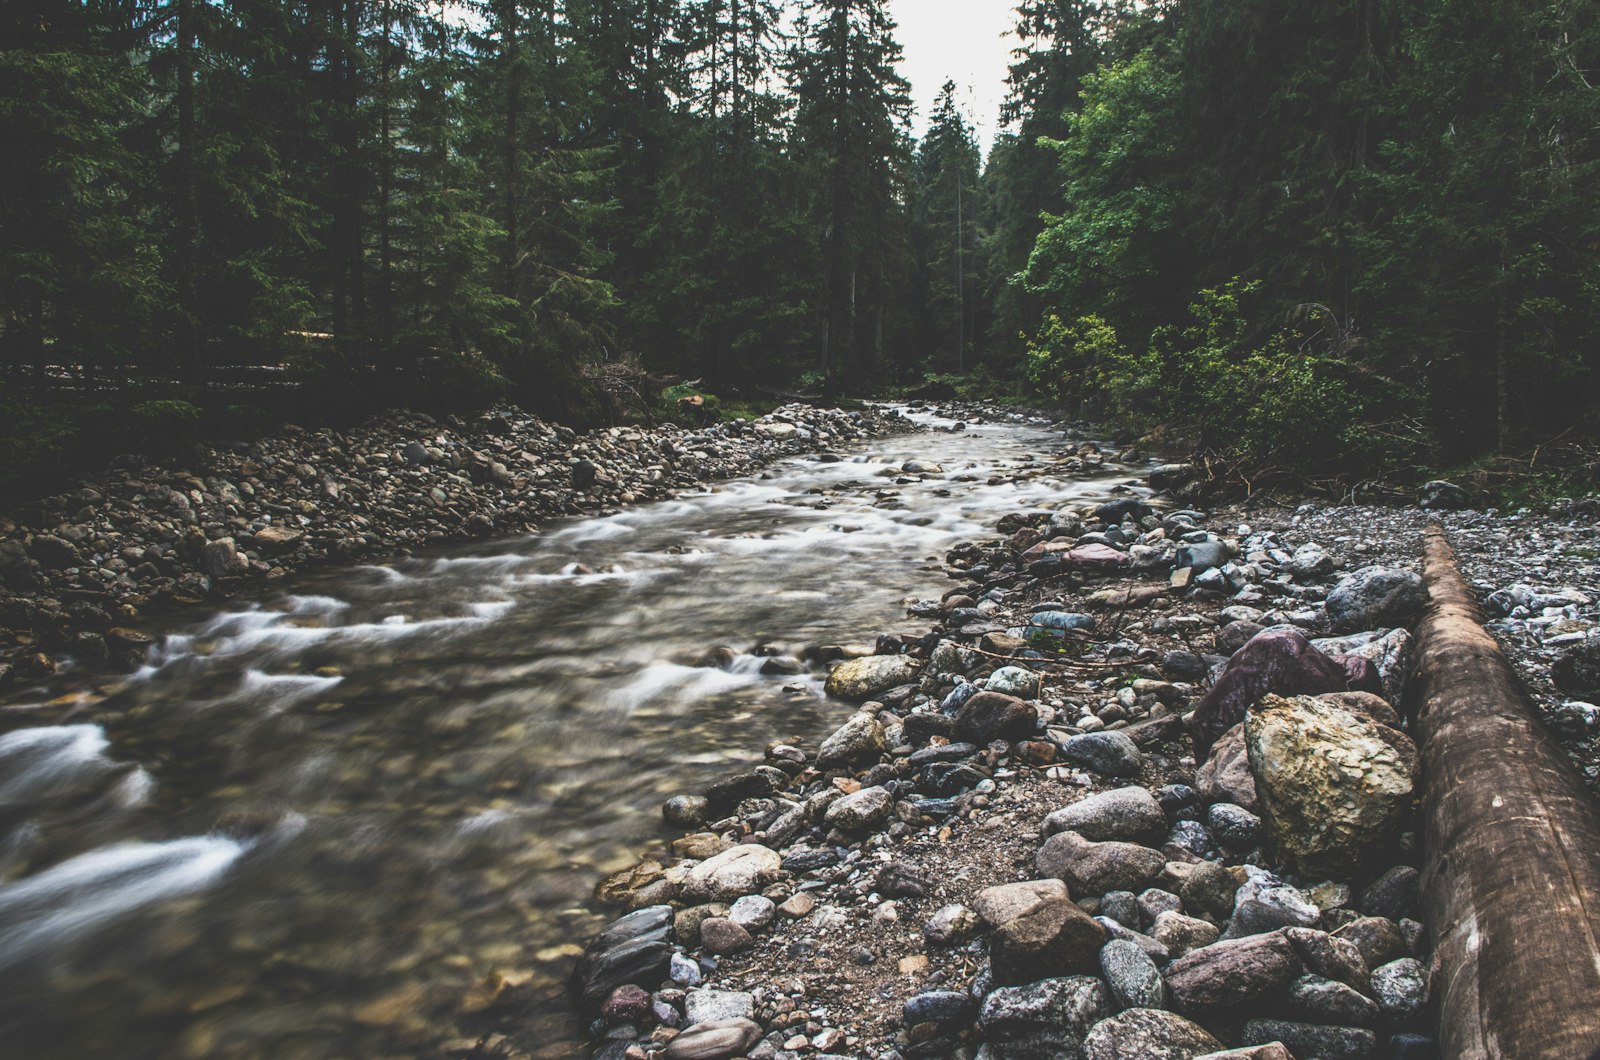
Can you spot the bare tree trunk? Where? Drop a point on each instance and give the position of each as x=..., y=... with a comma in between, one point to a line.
x=1511, y=887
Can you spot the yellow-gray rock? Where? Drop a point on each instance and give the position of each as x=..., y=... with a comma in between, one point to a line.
x=859, y=679
x=1333, y=784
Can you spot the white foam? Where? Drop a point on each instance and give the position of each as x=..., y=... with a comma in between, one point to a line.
x=50, y=760
x=86, y=892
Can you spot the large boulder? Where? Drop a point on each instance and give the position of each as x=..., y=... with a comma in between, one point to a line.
x=990, y=716
x=1147, y=1034
x=1046, y=1020
x=1374, y=597
x=1334, y=784
x=1279, y=661
x=861, y=679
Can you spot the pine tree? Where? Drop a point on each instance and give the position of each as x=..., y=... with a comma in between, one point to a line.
x=853, y=109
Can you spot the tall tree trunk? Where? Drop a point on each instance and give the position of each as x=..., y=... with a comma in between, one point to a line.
x=512, y=151
x=385, y=183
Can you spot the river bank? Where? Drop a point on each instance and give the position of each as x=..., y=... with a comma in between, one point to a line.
x=870, y=896
x=80, y=568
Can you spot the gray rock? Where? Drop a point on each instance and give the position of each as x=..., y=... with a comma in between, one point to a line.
x=753, y=912
x=732, y=874
x=1330, y=956
x=1401, y=988
x=1013, y=681
x=1379, y=939
x=951, y=1007
x=1147, y=1034
x=703, y=1006
x=1130, y=813
x=1091, y=869
x=1204, y=555
x=1234, y=825
x=1319, y=1000
x=1313, y=1040
x=1155, y=901
x=1112, y=754
x=860, y=812
x=951, y=925
x=1132, y=976
x=1182, y=934
x=858, y=740
x=1229, y=974
x=1046, y=1020
x=221, y=559
x=686, y=811
x=1310, y=561
x=1374, y=597
x=1196, y=838
x=1121, y=906
x=1265, y=904
x=1393, y=895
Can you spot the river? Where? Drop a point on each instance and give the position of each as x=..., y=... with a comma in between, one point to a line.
x=361, y=815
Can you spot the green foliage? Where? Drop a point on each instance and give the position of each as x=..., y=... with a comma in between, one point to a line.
x=34, y=437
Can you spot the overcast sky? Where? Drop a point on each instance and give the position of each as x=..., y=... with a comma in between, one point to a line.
x=964, y=40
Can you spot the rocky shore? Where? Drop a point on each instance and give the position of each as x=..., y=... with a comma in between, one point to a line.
x=78, y=570
x=1143, y=790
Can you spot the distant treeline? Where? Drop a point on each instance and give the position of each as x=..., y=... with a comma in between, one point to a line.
x=1312, y=231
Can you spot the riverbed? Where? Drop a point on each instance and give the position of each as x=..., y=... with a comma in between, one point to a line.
x=363, y=814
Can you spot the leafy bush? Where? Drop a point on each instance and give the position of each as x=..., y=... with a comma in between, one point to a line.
x=677, y=405
x=33, y=437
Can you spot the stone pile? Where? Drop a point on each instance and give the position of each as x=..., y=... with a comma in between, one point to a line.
x=78, y=569
x=1050, y=728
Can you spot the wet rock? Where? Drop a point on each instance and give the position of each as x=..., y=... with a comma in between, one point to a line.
x=714, y=1040
x=1131, y=976
x=627, y=1003
x=732, y=874
x=940, y=1006
x=991, y=716
x=277, y=540
x=860, y=812
x=858, y=740
x=922, y=726
x=1046, y=1020
x=1111, y=754
x=1313, y=1040
x=686, y=811
x=1374, y=597
x=1279, y=661
x=1130, y=813
x=1226, y=776
x=1147, y=1034
x=633, y=949
x=1401, y=988
x=1229, y=974
x=1333, y=788
x=1116, y=511
x=727, y=793
x=860, y=679
x=1090, y=869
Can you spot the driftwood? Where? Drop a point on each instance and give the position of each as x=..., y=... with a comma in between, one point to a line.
x=1511, y=888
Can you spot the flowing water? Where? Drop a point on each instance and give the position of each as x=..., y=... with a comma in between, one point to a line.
x=344, y=819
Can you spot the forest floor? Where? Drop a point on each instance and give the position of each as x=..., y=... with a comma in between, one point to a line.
x=862, y=940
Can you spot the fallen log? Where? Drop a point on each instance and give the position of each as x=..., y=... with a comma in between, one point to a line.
x=1511, y=884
